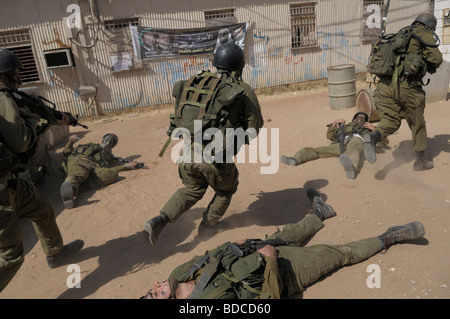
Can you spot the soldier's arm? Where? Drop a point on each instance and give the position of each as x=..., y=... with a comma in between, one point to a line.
x=331, y=131
x=252, y=110
x=20, y=131
x=432, y=54
x=69, y=146
x=272, y=285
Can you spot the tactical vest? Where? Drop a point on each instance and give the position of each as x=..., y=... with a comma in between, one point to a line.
x=11, y=162
x=205, y=97
x=95, y=153
x=233, y=277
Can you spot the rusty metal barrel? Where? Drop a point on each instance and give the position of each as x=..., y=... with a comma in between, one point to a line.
x=365, y=103
x=342, y=86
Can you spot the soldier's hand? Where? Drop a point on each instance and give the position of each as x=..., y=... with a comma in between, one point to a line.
x=338, y=121
x=65, y=120
x=74, y=138
x=268, y=251
x=369, y=126
x=133, y=163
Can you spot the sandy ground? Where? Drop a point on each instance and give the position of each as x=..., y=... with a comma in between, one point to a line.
x=117, y=263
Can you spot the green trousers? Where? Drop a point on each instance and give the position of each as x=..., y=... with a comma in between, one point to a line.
x=197, y=177
x=407, y=101
x=303, y=266
x=21, y=199
x=354, y=147
x=80, y=169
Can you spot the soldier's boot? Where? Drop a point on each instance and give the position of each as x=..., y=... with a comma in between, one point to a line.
x=63, y=257
x=311, y=193
x=397, y=234
x=289, y=160
x=370, y=143
x=154, y=227
x=421, y=164
x=319, y=207
x=346, y=162
x=67, y=194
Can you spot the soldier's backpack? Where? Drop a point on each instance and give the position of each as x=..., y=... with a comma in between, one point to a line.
x=205, y=98
x=387, y=52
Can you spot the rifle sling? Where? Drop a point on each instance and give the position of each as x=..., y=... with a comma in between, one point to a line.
x=210, y=270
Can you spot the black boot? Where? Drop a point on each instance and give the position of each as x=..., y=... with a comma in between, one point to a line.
x=421, y=164
x=370, y=143
x=319, y=207
x=289, y=160
x=154, y=227
x=398, y=234
x=311, y=193
x=62, y=258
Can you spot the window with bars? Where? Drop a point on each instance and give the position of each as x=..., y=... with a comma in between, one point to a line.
x=121, y=23
x=303, y=25
x=19, y=42
x=219, y=17
x=369, y=2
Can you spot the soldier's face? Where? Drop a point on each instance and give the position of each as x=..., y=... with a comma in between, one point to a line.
x=160, y=290
x=360, y=119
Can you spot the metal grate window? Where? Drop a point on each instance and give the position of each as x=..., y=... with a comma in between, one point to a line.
x=120, y=24
x=303, y=25
x=369, y=2
x=19, y=42
x=219, y=14
x=220, y=17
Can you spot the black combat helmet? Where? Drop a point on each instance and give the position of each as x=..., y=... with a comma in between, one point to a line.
x=110, y=139
x=427, y=19
x=9, y=61
x=229, y=57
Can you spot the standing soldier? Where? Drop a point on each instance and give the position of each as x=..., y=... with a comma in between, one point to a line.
x=18, y=198
x=90, y=160
x=243, y=111
x=401, y=95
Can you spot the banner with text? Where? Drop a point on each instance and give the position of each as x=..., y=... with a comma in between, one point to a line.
x=151, y=43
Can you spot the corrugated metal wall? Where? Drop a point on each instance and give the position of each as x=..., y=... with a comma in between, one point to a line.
x=270, y=59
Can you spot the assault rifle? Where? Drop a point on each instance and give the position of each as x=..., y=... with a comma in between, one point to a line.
x=37, y=105
x=341, y=138
x=139, y=165
x=252, y=245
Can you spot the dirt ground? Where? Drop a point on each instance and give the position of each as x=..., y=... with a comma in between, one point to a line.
x=116, y=262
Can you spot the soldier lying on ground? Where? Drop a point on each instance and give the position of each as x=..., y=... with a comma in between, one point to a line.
x=94, y=162
x=269, y=272
x=347, y=144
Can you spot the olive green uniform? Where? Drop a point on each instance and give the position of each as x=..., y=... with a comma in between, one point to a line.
x=295, y=268
x=223, y=178
x=91, y=160
x=405, y=97
x=354, y=145
x=19, y=198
